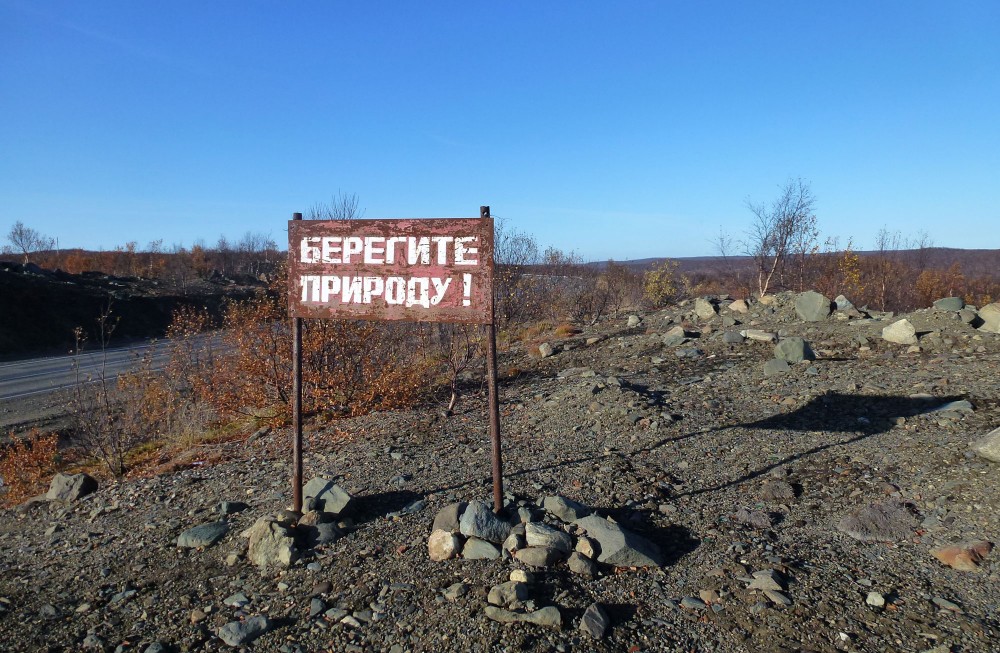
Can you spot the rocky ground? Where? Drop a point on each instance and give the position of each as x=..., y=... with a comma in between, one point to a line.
x=792, y=510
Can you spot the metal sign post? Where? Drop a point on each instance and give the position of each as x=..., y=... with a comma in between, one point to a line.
x=297, y=408
x=491, y=381
x=424, y=270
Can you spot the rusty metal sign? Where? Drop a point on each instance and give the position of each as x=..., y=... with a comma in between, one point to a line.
x=419, y=270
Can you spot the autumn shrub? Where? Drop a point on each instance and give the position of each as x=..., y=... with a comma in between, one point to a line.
x=26, y=465
x=349, y=367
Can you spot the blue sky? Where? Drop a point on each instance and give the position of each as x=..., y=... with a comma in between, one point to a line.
x=616, y=129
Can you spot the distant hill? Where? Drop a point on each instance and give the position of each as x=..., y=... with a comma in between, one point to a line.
x=974, y=262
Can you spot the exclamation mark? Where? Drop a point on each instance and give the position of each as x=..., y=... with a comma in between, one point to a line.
x=467, y=289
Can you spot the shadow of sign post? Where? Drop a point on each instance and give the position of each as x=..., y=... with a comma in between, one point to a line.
x=417, y=270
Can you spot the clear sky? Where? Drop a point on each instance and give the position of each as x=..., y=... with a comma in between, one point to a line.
x=616, y=129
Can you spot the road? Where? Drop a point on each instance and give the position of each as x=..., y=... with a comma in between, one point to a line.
x=26, y=378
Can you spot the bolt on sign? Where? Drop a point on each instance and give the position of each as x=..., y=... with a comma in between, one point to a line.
x=419, y=270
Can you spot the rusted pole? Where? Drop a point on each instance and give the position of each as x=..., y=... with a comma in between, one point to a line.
x=494, y=398
x=297, y=408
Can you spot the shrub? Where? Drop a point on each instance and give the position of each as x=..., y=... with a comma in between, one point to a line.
x=26, y=466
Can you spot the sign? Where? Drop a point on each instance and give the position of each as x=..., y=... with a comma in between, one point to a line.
x=420, y=270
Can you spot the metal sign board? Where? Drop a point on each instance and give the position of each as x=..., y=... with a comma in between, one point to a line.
x=419, y=270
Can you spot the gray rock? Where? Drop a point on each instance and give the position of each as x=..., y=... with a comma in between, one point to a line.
x=238, y=633
x=539, y=556
x=777, y=491
x=969, y=316
x=581, y=565
x=156, y=647
x=203, y=535
x=272, y=544
x=990, y=315
x=634, y=321
x=875, y=599
x=766, y=579
x=543, y=535
x=456, y=591
x=70, y=487
x=759, y=335
x=811, y=306
x=545, y=350
x=230, y=507
x=688, y=352
x=704, y=309
x=323, y=533
x=777, y=597
x=505, y=594
x=674, y=336
x=776, y=367
x=477, y=549
x=880, y=522
x=900, y=332
x=595, y=621
x=237, y=600
x=793, y=350
x=479, y=521
x=548, y=616
x=842, y=303
x=753, y=518
x=565, y=509
x=447, y=519
x=325, y=495
x=619, y=547
x=739, y=306
x=733, y=338
x=692, y=603
x=951, y=304
x=988, y=446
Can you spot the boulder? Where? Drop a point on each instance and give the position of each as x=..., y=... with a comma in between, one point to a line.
x=843, y=303
x=272, y=544
x=542, y=535
x=443, y=545
x=547, y=616
x=595, y=621
x=963, y=557
x=477, y=549
x=545, y=350
x=633, y=321
x=794, y=350
x=733, y=338
x=901, y=332
x=325, y=495
x=619, y=547
x=988, y=446
x=674, y=336
x=776, y=367
x=759, y=334
x=890, y=521
x=739, y=306
x=238, y=633
x=448, y=518
x=565, y=509
x=507, y=593
x=479, y=521
x=539, y=556
x=70, y=487
x=202, y=536
x=950, y=304
x=990, y=315
x=811, y=306
x=704, y=308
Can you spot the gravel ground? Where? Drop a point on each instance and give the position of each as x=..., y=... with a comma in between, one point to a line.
x=729, y=471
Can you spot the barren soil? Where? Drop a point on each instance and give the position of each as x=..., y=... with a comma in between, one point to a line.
x=673, y=447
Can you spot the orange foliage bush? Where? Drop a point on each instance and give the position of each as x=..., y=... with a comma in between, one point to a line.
x=26, y=466
x=348, y=367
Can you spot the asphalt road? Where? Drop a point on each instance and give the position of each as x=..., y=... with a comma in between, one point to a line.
x=40, y=376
